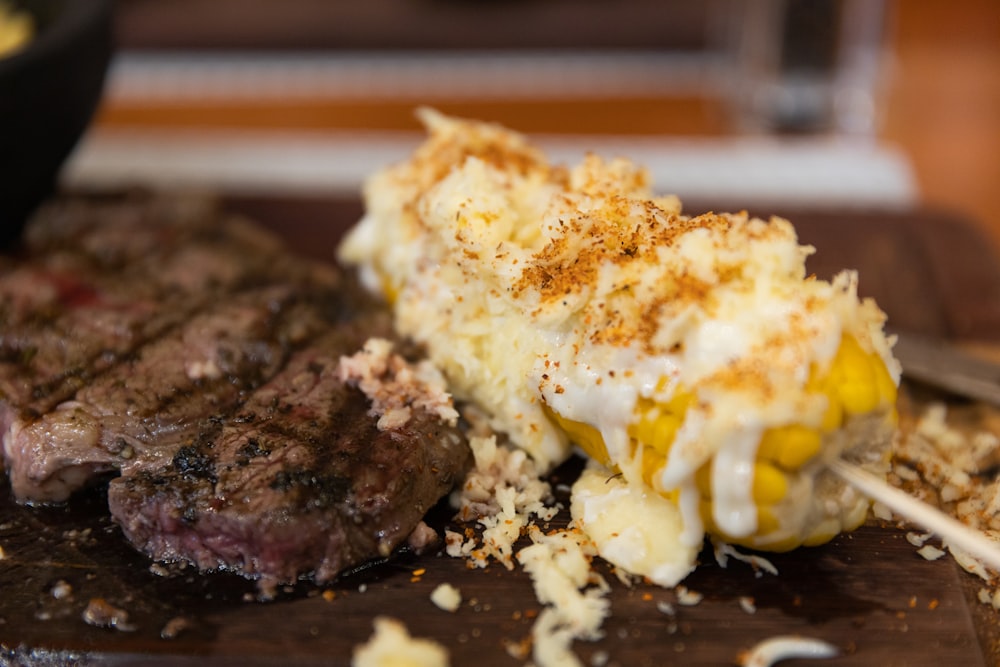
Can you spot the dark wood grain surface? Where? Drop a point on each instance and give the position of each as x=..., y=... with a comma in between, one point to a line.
x=868, y=592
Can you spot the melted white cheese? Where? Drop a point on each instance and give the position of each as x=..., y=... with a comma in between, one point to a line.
x=632, y=527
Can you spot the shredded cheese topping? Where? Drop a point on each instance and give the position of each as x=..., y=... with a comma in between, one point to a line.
x=395, y=386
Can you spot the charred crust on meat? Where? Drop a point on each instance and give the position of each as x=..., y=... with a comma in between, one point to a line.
x=244, y=418
x=319, y=491
x=189, y=515
x=253, y=449
x=194, y=463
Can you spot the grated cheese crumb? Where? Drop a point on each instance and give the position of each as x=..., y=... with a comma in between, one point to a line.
x=916, y=539
x=61, y=590
x=502, y=493
x=665, y=607
x=392, y=646
x=881, y=511
x=687, y=597
x=395, y=386
x=930, y=552
x=969, y=563
x=599, y=659
x=944, y=464
x=505, y=495
x=446, y=597
x=559, y=566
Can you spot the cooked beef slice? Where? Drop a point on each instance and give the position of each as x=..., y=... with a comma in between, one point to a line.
x=118, y=229
x=190, y=354
x=299, y=481
x=126, y=416
x=68, y=315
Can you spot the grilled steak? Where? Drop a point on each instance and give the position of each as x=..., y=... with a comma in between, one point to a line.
x=140, y=407
x=192, y=356
x=119, y=229
x=299, y=480
x=73, y=311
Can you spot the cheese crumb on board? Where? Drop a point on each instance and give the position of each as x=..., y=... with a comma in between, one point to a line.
x=446, y=597
x=392, y=646
x=506, y=496
x=941, y=458
x=930, y=552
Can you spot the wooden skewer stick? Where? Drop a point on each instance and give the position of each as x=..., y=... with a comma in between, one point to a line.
x=951, y=531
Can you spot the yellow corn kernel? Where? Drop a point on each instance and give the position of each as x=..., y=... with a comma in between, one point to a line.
x=658, y=423
x=787, y=543
x=642, y=429
x=652, y=463
x=390, y=293
x=857, y=382
x=664, y=432
x=856, y=515
x=833, y=416
x=769, y=484
x=853, y=375
x=586, y=436
x=822, y=533
x=769, y=488
x=766, y=521
x=789, y=446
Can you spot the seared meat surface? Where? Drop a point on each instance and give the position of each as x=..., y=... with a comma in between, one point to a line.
x=191, y=358
x=80, y=304
x=127, y=416
x=298, y=480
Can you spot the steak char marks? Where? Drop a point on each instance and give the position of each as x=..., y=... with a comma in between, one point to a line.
x=299, y=480
x=81, y=303
x=137, y=412
x=191, y=358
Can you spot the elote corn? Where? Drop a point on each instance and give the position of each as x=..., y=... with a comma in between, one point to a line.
x=691, y=355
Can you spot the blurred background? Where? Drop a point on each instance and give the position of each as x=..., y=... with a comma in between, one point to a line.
x=832, y=103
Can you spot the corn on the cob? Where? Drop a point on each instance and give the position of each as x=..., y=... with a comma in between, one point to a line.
x=692, y=355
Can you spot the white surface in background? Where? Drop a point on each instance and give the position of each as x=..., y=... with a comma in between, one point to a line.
x=821, y=171
x=458, y=75
x=746, y=171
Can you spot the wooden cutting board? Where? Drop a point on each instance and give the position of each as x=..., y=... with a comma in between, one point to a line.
x=868, y=593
